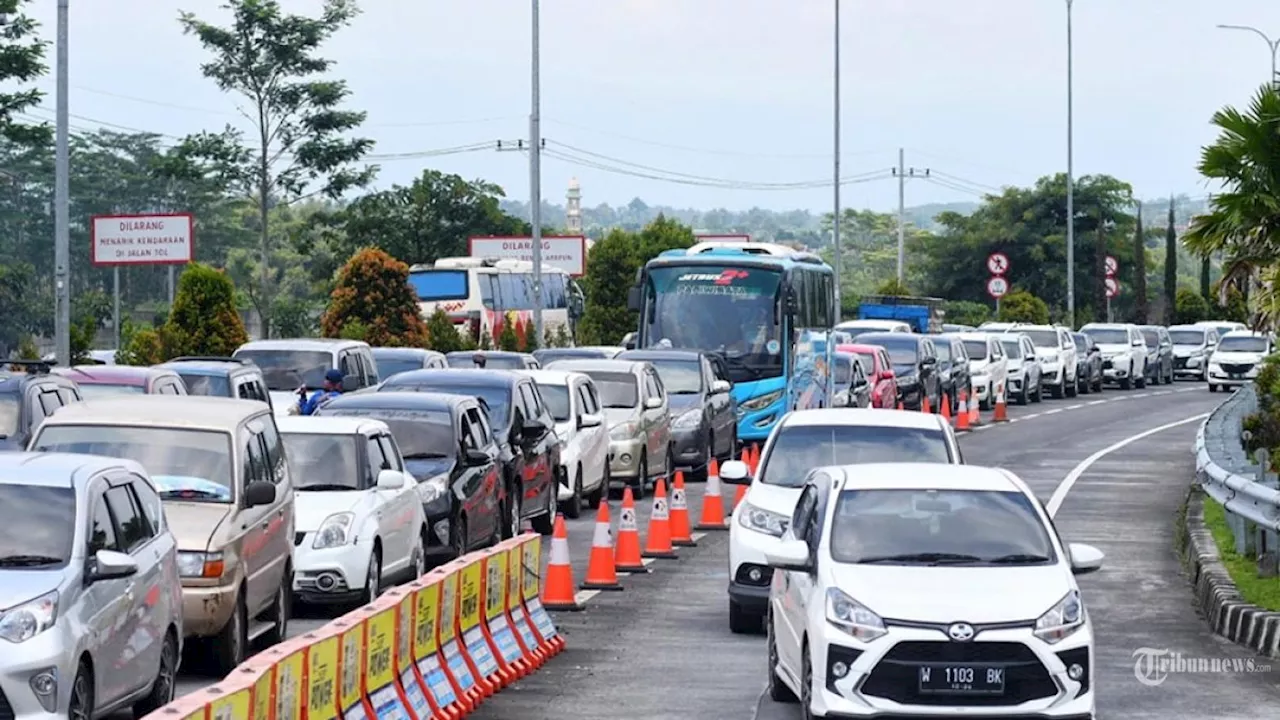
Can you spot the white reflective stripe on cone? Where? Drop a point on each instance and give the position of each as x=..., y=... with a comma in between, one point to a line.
x=713, y=485
x=559, y=552
x=603, y=537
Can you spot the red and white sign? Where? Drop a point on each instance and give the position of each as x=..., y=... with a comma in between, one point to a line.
x=1113, y=266
x=567, y=252
x=998, y=263
x=1113, y=287
x=997, y=287
x=160, y=239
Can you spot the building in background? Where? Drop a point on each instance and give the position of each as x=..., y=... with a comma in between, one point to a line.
x=573, y=208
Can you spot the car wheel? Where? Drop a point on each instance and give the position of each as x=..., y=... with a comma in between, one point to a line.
x=806, y=683
x=1127, y=382
x=1083, y=386
x=595, y=497
x=162, y=688
x=1069, y=386
x=1025, y=396
x=545, y=523
x=458, y=536
x=373, y=578
x=572, y=507
x=742, y=621
x=81, y=705
x=642, y=477
x=420, y=555
x=511, y=512
x=700, y=475
x=1097, y=384
x=229, y=645
x=281, y=610
x=778, y=690
x=1213, y=388
x=1140, y=382
x=670, y=475
x=1169, y=377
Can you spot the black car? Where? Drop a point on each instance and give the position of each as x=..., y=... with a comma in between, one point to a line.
x=394, y=360
x=1159, y=354
x=851, y=387
x=704, y=416
x=550, y=355
x=953, y=369
x=493, y=360
x=1089, y=364
x=28, y=394
x=522, y=426
x=445, y=436
x=915, y=363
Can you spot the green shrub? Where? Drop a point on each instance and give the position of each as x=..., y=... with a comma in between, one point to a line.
x=1189, y=307
x=530, y=339
x=373, y=290
x=143, y=348
x=204, y=319
x=441, y=334
x=1022, y=306
x=508, y=339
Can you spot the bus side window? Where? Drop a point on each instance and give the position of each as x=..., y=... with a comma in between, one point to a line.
x=489, y=296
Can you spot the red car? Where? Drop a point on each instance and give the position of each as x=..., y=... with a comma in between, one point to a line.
x=875, y=361
x=103, y=381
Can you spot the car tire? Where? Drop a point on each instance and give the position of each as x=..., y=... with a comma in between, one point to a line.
x=80, y=706
x=545, y=523
x=418, y=561
x=230, y=646
x=458, y=536
x=1083, y=385
x=742, y=621
x=670, y=475
x=597, y=496
x=1169, y=377
x=373, y=577
x=1141, y=381
x=806, y=682
x=1097, y=384
x=162, y=687
x=1039, y=393
x=1024, y=397
x=572, y=508
x=642, y=476
x=511, y=511
x=1213, y=388
x=778, y=690
x=1056, y=392
x=1126, y=383
x=1069, y=386
x=700, y=474
x=281, y=610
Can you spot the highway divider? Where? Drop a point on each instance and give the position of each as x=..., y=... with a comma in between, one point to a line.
x=433, y=649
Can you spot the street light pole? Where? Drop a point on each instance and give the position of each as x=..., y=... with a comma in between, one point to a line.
x=1071, y=200
x=1274, y=45
x=61, y=199
x=535, y=177
x=835, y=159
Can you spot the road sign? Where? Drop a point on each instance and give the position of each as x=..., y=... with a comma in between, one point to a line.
x=159, y=239
x=998, y=263
x=1112, y=266
x=1113, y=287
x=997, y=287
x=567, y=252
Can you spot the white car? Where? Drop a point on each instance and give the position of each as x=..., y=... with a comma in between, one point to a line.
x=908, y=591
x=854, y=328
x=575, y=405
x=988, y=366
x=358, y=516
x=996, y=327
x=1192, y=346
x=1024, y=370
x=1235, y=361
x=1056, y=353
x=803, y=440
x=1124, y=353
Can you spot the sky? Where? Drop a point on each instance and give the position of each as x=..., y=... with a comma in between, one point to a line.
x=637, y=94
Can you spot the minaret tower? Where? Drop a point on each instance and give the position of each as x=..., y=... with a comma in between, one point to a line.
x=573, y=208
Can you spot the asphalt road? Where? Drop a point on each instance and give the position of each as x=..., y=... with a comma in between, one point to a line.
x=662, y=648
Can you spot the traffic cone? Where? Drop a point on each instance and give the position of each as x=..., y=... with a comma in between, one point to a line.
x=755, y=458
x=738, y=496
x=1002, y=412
x=924, y=404
x=962, y=414
x=681, y=534
x=626, y=554
x=712, y=502
x=946, y=409
x=557, y=591
x=601, y=573
x=658, y=539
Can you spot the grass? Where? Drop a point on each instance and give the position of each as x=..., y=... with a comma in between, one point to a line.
x=1263, y=592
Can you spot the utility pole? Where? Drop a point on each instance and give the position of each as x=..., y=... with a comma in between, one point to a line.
x=903, y=173
x=535, y=177
x=61, y=199
x=1071, y=198
x=835, y=162
x=1273, y=45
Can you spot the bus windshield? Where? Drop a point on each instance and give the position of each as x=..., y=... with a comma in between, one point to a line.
x=433, y=285
x=720, y=308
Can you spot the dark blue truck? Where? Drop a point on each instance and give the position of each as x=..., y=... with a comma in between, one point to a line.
x=924, y=315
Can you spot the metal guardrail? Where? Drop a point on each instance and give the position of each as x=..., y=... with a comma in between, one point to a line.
x=1248, y=491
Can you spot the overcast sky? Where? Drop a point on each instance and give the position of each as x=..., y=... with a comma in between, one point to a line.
x=730, y=89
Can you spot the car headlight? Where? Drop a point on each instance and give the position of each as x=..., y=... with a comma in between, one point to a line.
x=1062, y=619
x=623, y=431
x=21, y=623
x=333, y=531
x=199, y=564
x=690, y=419
x=853, y=617
x=762, y=402
x=764, y=521
x=1196, y=353
x=434, y=487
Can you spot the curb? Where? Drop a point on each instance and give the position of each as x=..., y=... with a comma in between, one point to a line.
x=1220, y=603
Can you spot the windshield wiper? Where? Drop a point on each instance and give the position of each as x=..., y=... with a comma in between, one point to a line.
x=185, y=493
x=737, y=362
x=932, y=558
x=1018, y=559
x=425, y=456
x=324, y=487
x=28, y=560
x=686, y=392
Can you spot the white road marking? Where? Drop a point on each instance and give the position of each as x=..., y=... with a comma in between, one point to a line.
x=648, y=561
x=1099, y=402
x=1142, y=395
x=1074, y=407
x=1162, y=392
x=1030, y=417
x=697, y=536
x=582, y=596
x=1054, y=411
x=1068, y=482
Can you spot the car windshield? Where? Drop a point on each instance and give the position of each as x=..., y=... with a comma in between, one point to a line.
x=976, y=349
x=388, y=367
x=37, y=526
x=496, y=398
x=1042, y=338
x=1082, y=341
x=1012, y=348
x=680, y=377
x=1243, y=343
x=902, y=353
x=551, y=355
x=844, y=369
x=324, y=462
x=9, y=411
x=1108, y=336
x=856, y=331
x=934, y=527
x=491, y=362
x=98, y=391
x=425, y=437
x=1187, y=337
x=868, y=363
x=188, y=465
x=208, y=385
x=288, y=370
x=557, y=399
x=800, y=448
x=1152, y=337
x=617, y=390
x=943, y=348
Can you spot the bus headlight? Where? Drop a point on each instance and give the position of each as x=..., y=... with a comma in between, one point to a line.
x=762, y=402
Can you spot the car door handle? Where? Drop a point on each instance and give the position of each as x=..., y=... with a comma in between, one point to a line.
x=266, y=525
x=128, y=594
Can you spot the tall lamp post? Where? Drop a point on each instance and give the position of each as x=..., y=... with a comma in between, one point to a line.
x=1071, y=199
x=835, y=160
x=1274, y=45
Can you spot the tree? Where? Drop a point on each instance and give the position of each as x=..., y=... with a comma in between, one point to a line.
x=1206, y=265
x=1022, y=306
x=508, y=339
x=560, y=339
x=967, y=312
x=373, y=290
x=1170, y=267
x=203, y=319
x=530, y=339
x=1190, y=307
x=300, y=133
x=21, y=63
x=1139, y=271
x=893, y=288
x=142, y=348
x=441, y=334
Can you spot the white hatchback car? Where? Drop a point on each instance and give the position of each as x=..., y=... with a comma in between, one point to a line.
x=358, y=521
x=988, y=366
x=906, y=590
x=1124, y=353
x=574, y=403
x=1056, y=353
x=803, y=440
x=1236, y=359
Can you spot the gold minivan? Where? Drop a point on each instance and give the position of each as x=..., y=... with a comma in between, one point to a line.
x=220, y=468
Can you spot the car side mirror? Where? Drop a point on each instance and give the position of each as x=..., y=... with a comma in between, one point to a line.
x=533, y=430
x=390, y=480
x=929, y=362
x=652, y=403
x=720, y=386
x=634, y=298
x=888, y=375
x=735, y=472
x=476, y=458
x=1137, y=343
x=350, y=383
x=259, y=493
x=588, y=421
x=109, y=564
x=789, y=555
x=1084, y=558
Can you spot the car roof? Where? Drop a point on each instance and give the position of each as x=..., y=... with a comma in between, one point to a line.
x=1197, y=326
x=871, y=324
x=208, y=367
x=1106, y=326
x=403, y=352
x=1151, y=327
x=487, y=353
x=1246, y=333
x=58, y=469
x=315, y=344
x=553, y=377
x=862, y=417
x=649, y=354
x=391, y=400
x=464, y=377
x=977, y=336
x=927, y=476
x=1033, y=326
x=197, y=412
x=91, y=374
x=858, y=348
x=598, y=365
x=329, y=425
x=870, y=338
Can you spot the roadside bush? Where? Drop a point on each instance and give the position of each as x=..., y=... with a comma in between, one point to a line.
x=507, y=338
x=560, y=338
x=893, y=288
x=143, y=348
x=203, y=319
x=1189, y=307
x=373, y=290
x=530, y=339
x=441, y=335
x=1022, y=306
x=967, y=312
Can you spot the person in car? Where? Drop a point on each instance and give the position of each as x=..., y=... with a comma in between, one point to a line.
x=332, y=389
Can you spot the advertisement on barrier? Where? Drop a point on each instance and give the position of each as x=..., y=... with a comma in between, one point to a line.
x=352, y=641
x=234, y=706
x=289, y=686
x=450, y=645
x=322, y=680
x=515, y=575
x=262, y=694
x=532, y=585
x=469, y=621
x=426, y=648
x=413, y=692
x=379, y=666
x=495, y=607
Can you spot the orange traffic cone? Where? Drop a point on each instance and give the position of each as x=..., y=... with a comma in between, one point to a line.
x=901, y=406
x=681, y=533
x=975, y=412
x=658, y=540
x=924, y=404
x=1002, y=412
x=946, y=408
x=962, y=413
x=626, y=554
x=557, y=592
x=738, y=496
x=601, y=573
x=712, y=502
x=754, y=456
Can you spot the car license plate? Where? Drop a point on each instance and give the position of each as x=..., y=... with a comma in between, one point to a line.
x=1236, y=376
x=961, y=680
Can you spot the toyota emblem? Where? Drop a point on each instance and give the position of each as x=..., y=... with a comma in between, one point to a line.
x=960, y=632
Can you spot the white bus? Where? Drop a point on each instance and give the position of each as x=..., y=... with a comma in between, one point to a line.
x=478, y=293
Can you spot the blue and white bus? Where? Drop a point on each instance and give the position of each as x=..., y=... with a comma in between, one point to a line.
x=766, y=309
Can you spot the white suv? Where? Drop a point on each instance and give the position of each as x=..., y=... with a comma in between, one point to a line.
x=1056, y=353
x=906, y=590
x=1235, y=361
x=803, y=440
x=1124, y=353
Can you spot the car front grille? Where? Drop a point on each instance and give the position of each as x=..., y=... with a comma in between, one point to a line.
x=895, y=677
x=1106, y=364
x=1179, y=363
x=1237, y=369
